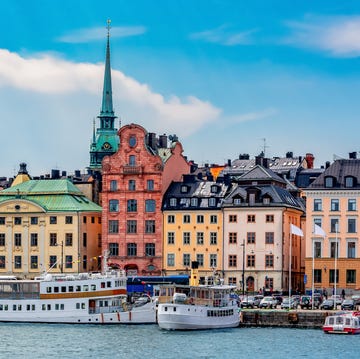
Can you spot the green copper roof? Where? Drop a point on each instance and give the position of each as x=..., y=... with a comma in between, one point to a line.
x=52, y=195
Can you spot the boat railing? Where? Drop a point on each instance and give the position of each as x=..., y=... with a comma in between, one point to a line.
x=110, y=309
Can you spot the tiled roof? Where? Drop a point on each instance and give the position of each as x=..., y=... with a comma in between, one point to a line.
x=261, y=173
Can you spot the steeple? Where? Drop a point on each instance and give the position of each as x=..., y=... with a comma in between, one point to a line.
x=105, y=140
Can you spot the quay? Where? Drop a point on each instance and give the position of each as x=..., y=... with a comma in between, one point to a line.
x=281, y=318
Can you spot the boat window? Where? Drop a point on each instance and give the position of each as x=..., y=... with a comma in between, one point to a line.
x=77, y=305
x=78, y=288
x=56, y=306
x=14, y=307
x=347, y=321
x=63, y=289
x=339, y=320
x=43, y=307
x=82, y=305
x=102, y=284
x=71, y=288
x=93, y=286
x=6, y=307
x=62, y=307
x=27, y=306
x=32, y=306
x=1, y=307
x=48, y=289
x=86, y=288
x=108, y=284
x=106, y=304
x=56, y=289
x=49, y=307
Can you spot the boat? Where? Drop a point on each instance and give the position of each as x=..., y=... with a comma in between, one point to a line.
x=342, y=323
x=194, y=306
x=84, y=298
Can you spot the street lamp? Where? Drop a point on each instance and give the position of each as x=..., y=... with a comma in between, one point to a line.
x=62, y=256
x=243, y=267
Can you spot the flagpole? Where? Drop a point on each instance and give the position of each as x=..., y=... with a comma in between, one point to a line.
x=313, y=270
x=336, y=253
x=290, y=268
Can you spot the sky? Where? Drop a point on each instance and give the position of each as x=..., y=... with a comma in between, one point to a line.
x=228, y=77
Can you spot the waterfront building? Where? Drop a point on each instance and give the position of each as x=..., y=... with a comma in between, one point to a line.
x=257, y=217
x=135, y=179
x=48, y=225
x=332, y=203
x=193, y=226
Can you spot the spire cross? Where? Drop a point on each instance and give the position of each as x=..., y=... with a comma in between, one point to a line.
x=108, y=27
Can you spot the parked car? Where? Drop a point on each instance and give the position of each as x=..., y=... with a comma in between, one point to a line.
x=257, y=300
x=338, y=298
x=327, y=304
x=356, y=299
x=306, y=302
x=348, y=304
x=289, y=303
x=296, y=297
x=268, y=302
x=247, y=302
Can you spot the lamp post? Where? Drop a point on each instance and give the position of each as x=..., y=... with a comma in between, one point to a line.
x=62, y=257
x=243, y=267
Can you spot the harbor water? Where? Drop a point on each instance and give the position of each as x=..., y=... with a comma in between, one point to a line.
x=148, y=341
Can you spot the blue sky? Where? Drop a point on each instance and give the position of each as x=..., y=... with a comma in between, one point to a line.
x=221, y=75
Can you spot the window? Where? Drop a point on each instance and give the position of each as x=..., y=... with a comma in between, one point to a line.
x=317, y=249
x=2, y=220
x=131, y=249
x=213, y=260
x=150, y=205
x=351, y=225
x=132, y=160
x=334, y=225
x=212, y=202
x=317, y=276
x=200, y=259
x=113, y=205
x=213, y=238
x=34, y=262
x=17, y=262
x=200, y=238
x=232, y=218
x=84, y=240
x=349, y=182
x=172, y=202
x=269, y=237
x=2, y=240
x=150, y=249
x=213, y=219
x=334, y=250
x=351, y=250
x=250, y=260
x=251, y=218
x=350, y=276
x=186, y=238
x=352, y=205
x=131, y=226
x=232, y=281
x=317, y=205
x=269, y=218
x=186, y=260
x=237, y=201
x=68, y=261
x=149, y=226
x=232, y=260
x=17, y=220
x=334, y=205
x=184, y=189
x=33, y=239
x=114, y=249
x=186, y=218
x=214, y=189
x=132, y=205
x=170, y=218
x=194, y=202
x=113, y=226
x=332, y=276
x=53, y=239
x=84, y=264
x=132, y=185
x=171, y=238
x=68, y=239
x=53, y=220
x=84, y=219
x=199, y=218
x=150, y=185
x=251, y=237
x=269, y=260
x=17, y=239
x=232, y=237
x=113, y=186
x=329, y=182
x=171, y=259
x=2, y=262
x=34, y=220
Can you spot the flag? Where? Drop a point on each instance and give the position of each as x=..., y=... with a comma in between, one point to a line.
x=318, y=231
x=296, y=230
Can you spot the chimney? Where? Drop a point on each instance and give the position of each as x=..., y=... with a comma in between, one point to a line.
x=352, y=155
x=258, y=160
x=310, y=160
x=229, y=163
x=163, y=141
x=289, y=154
x=55, y=174
x=152, y=140
x=77, y=173
x=63, y=173
x=244, y=156
x=327, y=164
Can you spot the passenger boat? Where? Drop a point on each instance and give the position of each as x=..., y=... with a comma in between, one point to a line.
x=196, y=306
x=91, y=298
x=342, y=323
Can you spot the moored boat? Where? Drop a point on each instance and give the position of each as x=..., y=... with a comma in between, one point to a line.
x=196, y=306
x=91, y=298
x=342, y=323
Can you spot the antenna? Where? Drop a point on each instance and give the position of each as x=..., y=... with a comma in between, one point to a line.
x=108, y=21
x=264, y=146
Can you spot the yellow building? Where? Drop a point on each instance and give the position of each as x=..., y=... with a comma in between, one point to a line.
x=48, y=226
x=332, y=250
x=193, y=227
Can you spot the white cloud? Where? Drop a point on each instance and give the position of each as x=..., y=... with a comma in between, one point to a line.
x=252, y=116
x=98, y=33
x=338, y=36
x=223, y=36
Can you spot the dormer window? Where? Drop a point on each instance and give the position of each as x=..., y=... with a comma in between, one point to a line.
x=212, y=202
x=214, y=189
x=172, y=202
x=194, y=202
x=266, y=200
x=329, y=182
x=349, y=182
x=237, y=201
x=184, y=189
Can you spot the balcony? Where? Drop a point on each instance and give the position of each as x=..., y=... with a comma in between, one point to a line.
x=131, y=170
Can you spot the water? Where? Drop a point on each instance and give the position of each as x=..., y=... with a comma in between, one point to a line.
x=148, y=341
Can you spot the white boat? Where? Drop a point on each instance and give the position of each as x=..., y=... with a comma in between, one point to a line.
x=197, y=307
x=82, y=298
x=342, y=323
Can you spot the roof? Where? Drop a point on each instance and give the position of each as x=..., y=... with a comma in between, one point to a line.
x=52, y=195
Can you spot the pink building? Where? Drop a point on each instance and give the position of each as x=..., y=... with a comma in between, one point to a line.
x=134, y=181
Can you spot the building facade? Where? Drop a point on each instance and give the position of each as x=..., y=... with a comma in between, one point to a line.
x=134, y=181
x=48, y=226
